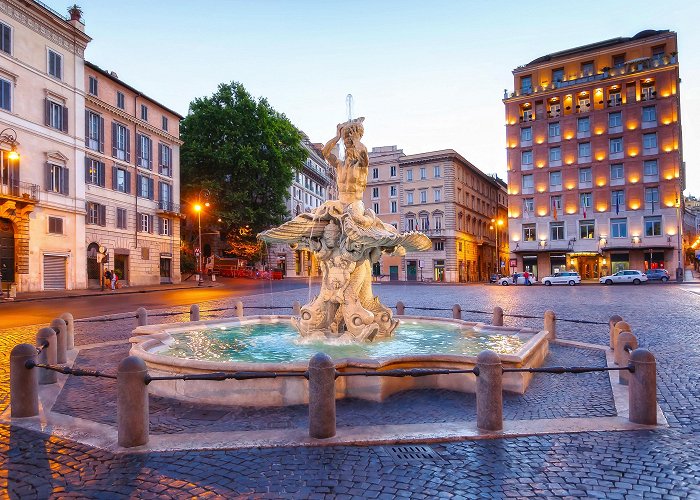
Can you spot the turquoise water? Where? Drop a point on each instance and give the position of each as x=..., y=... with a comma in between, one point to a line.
x=280, y=343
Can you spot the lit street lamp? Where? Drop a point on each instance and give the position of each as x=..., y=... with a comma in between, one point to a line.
x=198, y=208
x=495, y=225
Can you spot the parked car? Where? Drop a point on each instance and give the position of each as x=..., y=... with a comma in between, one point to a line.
x=564, y=278
x=658, y=275
x=629, y=276
x=508, y=280
x=495, y=277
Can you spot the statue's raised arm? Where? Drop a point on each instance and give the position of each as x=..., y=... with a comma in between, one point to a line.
x=352, y=172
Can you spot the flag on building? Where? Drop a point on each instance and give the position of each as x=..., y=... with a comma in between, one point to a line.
x=617, y=204
x=652, y=203
x=584, y=211
x=554, y=209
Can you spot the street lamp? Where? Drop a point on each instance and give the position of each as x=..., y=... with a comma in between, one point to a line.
x=9, y=136
x=198, y=208
x=495, y=225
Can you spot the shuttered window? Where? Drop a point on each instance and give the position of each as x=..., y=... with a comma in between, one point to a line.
x=94, y=172
x=5, y=94
x=96, y=214
x=55, y=64
x=121, y=180
x=165, y=160
x=94, y=131
x=121, y=142
x=57, y=178
x=55, y=115
x=144, y=151
x=145, y=223
x=5, y=38
x=145, y=187
x=121, y=218
x=55, y=225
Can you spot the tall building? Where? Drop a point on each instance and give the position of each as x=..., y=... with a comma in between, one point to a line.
x=595, y=159
x=450, y=200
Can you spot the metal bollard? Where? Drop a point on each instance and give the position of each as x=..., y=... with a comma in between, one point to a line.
x=497, y=319
x=550, y=324
x=194, y=312
x=132, y=402
x=620, y=326
x=400, y=308
x=456, y=311
x=622, y=355
x=70, y=330
x=141, y=316
x=47, y=355
x=612, y=321
x=321, y=396
x=61, y=329
x=489, y=392
x=642, y=388
x=296, y=308
x=239, y=309
x=24, y=382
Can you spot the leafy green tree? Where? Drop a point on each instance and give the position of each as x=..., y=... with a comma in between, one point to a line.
x=244, y=153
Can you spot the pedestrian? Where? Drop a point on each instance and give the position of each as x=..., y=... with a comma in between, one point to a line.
x=108, y=277
x=526, y=275
x=114, y=280
x=515, y=278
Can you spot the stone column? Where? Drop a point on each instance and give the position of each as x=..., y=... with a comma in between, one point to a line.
x=194, y=312
x=141, y=316
x=622, y=356
x=24, y=382
x=642, y=388
x=239, y=309
x=61, y=329
x=132, y=402
x=456, y=311
x=612, y=322
x=321, y=396
x=620, y=326
x=47, y=355
x=489, y=392
x=550, y=324
x=400, y=308
x=497, y=319
x=70, y=330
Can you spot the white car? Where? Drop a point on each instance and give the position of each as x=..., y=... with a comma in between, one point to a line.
x=564, y=278
x=628, y=276
x=508, y=280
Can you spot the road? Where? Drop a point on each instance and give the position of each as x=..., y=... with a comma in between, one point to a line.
x=31, y=312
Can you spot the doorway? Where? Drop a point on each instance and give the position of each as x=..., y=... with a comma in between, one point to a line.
x=121, y=266
x=7, y=252
x=93, y=267
x=165, y=265
x=411, y=270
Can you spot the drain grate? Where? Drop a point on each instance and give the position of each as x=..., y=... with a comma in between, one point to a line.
x=411, y=453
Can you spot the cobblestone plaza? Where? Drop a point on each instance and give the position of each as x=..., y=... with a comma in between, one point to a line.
x=659, y=463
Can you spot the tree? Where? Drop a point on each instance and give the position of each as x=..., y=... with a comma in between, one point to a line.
x=245, y=154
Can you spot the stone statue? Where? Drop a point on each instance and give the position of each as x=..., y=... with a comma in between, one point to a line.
x=346, y=239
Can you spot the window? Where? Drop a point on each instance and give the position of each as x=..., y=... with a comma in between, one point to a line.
x=618, y=228
x=586, y=229
x=410, y=223
x=618, y=60
x=651, y=196
x=554, y=130
x=145, y=187
x=649, y=141
x=617, y=171
x=526, y=134
x=163, y=226
x=165, y=160
x=423, y=196
x=392, y=171
x=649, y=114
x=618, y=200
x=558, y=75
x=409, y=198
x=92, y=85
x=56, y=179
x=55, y=64
x=436, y=172
x=375, y=207
x=616, y=145
x=94, y=131
x=144, y=112
x=615, y=119
x=555, y=179
x=55, y=225
x=121, y=180
x=437, y=221
x=555, y=154
x=5, y=38
x=529, y=233
x=394, y=207
x=165, y=196
x=587, y=68
x=375, y=173
x=585, y=174
x=120, y=142
x=585, y=200
x=526, y=83
x=94, y=172
x=651, y=167
x=437, y=195
x=583, y=125
x=56, y=115
x=424, y=222
x=393, y=191
x=439, y=246
x=556, y=231
x=164, y=123
x=648, y=92
x=584, y=150
x=96, y=214
x=528, y=182
x=528, y=205
x=526, y=157
x=423, y=173
x=145, y=223
x=5, y=94
x=652, y=226
x=144, y=153
x=556, y=202
x=375, y=192
x=120, y=100
x=615, y=99
x=121, y=218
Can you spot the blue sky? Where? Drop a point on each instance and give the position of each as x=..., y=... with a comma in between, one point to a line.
x=426, y=75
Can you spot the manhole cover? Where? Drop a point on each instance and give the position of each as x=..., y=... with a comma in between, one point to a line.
x=412, y=453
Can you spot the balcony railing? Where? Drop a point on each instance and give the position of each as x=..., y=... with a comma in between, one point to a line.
x=20, y=190
x=168, y=206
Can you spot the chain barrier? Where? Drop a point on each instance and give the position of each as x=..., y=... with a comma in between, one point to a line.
x=407, y=372
x=521, y=316
x=42, y=347
x=573, y=369
x=226, y=376
x=78, y=372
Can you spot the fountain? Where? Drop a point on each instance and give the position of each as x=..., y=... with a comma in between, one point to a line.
x=345, y=319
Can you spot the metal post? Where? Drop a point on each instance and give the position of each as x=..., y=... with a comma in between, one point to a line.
x=61, y=329
x=489, y=392
x=550, y=324
x=321, y=396
x=194, y=312
x=132, y=402
x=642, y=388
x=400, y=308
x=70, y=330
x=24, y=382
x=497, y=319
x=612, y=322
x=141, y=316
x=47, y=355
x=625, y=341
x=239, y=309
x=199, y=265
x=456, y=311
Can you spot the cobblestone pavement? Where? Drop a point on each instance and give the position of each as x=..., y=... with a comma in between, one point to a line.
x=662, y=463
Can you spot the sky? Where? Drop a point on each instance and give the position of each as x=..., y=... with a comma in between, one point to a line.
x=426, y=75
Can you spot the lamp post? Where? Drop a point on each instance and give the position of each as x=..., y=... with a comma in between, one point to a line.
x=679, y=215
x=495, y=225
x=198, y=208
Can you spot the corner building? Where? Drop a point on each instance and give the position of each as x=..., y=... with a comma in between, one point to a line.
x=595, y=162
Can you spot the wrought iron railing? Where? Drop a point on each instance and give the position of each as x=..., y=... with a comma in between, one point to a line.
x=17, y=189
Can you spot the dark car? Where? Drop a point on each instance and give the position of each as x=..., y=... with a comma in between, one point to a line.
x=658, y=275
x=495, y=277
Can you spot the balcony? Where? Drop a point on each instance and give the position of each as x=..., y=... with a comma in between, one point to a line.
x=168, y=207
x=22, y=191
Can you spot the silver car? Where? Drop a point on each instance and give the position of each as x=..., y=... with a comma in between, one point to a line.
x=564, y=278
x=627, y=276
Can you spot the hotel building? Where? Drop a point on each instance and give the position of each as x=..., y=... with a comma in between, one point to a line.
x=595, y=159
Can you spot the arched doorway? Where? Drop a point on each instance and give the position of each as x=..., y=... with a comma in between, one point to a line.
x=7, y=252
x=93, y=267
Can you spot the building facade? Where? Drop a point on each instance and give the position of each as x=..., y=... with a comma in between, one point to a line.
x=595, y=163
x=132, y=183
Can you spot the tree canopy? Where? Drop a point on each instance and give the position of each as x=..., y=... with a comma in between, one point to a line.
x=245, y=154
